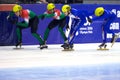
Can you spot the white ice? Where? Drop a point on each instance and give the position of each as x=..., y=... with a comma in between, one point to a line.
x=55, y=64
x=83, y=54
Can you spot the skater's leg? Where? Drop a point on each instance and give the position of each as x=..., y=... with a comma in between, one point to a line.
x=51, y=25
x=104, y=36
x=76, y=28
x=106, y=30
x=34, y=27
x=62, y=33
x=113, y=34
x=62, y=24
x=64, y=37
x=46, y=34
x=19, y=31
x=107, y=26
x=38, y=38
x=19, y=35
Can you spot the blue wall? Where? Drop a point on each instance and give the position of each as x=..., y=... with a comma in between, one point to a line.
x=87, y=34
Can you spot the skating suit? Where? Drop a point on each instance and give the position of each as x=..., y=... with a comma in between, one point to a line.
x=76, y=19
x=108, y=17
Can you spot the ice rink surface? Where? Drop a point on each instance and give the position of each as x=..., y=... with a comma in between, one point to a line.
x=84, y=63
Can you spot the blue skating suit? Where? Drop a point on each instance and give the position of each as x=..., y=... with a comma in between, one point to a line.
x=77, y=18
x=108, y=17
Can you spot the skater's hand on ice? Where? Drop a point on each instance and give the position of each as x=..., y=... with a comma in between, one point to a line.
x=89, y=20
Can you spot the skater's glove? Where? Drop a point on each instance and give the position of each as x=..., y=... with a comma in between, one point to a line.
x=89, y=20
x=12, y=20
x=8, y=17
x=11, y=14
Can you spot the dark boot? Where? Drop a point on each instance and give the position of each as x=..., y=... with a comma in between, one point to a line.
x=43, y=46
x=103, y=45
x=65, y=44
x=19, y=44
x=71, y=46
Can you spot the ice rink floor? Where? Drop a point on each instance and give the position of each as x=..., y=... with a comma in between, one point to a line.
x=84, y=63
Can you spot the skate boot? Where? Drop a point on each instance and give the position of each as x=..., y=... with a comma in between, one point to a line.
x=103, y=45
x=63, y=45
x=18, y=44
x=71, y=46
x=43, y=46
x=66, y=46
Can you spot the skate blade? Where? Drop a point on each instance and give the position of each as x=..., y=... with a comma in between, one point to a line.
x=68, y=50
x=103, y=49
x=112, y=44
x=114, y=40
x=18, y=48
x=44, y=48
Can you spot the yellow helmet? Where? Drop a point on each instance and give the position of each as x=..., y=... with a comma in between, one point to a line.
x=66, y=8
x=17, y=8
x=50, y=6
x=99, y=11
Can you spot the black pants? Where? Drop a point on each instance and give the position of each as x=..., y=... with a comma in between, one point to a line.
x=54, y=23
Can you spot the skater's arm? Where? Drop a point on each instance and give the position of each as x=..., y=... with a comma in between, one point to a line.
x=12, y=18
x=62, y=16
x=40, y=16
x=11, y=14
x=49, y=15
x=22, y=24
x=45, y=16
x=87, y=14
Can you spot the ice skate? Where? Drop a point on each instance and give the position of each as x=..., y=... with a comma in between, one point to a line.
x=43, y=46
x=68, y=47
x=71, y=46
x=18, y=45
x=103, y=47
x=114, y=39
x=63, y=45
